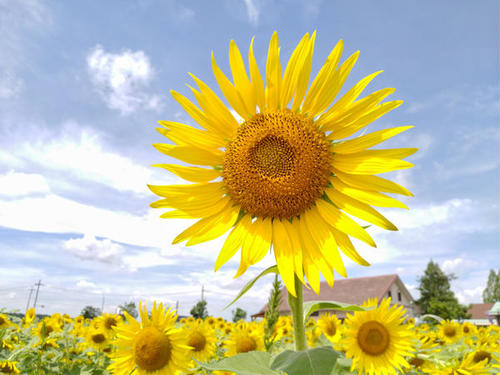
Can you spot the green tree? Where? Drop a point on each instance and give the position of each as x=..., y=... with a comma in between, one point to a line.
x=199, y=310
x=272, y=313
x=436, y=296
x=90, y=312
x=239, y=314
x=130, y=308
x=491, y=293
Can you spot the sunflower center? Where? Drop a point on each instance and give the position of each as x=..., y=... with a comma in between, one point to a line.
x=197, y=341
x=417, y=362
x=2, y=320
x=481, y=356
x=466, y=329
x=152, y=349
x=450, y=331
x=98, y=338
x=6, y=369
x=277, y=165
x=330, y=329
x=245, y=344
x=373, y=338
x=109, y=323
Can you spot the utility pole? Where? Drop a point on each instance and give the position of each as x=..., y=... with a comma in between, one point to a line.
x=102, y=305
x=29, y=298
x=177, y=306
x=38, y=284
x=202, y=292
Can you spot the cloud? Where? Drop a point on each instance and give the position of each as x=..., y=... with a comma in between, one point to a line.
x=121, y=79
x=472, y=295
x=454, y=266
x=84, y=284
x=10, y=85
x=18, y=184
x=252, y=12
x=90, y=248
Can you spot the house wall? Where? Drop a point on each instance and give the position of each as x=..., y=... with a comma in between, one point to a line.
x=399, y=296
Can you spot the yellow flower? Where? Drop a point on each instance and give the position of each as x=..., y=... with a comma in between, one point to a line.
x=8, y=367
x=4, y=321
x=243, y=340
x=29, y=317
x=46, y=327
x=153, y=346
x=202, y=339
x=467, y=366
x=377, y=340
x=330, y=326
x=449, y=331
x=108, y=321
x=286, y=175
x=97, y=338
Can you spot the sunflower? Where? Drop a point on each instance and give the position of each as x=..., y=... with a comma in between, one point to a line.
x=243, y=340
x=97, y=338
x=287, y=176
x=46, y=327
x=108, y=321
x=4, y=321
x=449, y=331
x=201, y=337
x=29, y=317
x=8, y=367
x=153, y=346
x=466, y=366
x=330, y=326
x=377, y=339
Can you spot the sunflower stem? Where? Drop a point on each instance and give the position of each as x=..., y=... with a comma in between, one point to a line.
x=296, y=306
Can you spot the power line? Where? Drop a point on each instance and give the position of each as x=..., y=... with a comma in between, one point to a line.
x=37, y=289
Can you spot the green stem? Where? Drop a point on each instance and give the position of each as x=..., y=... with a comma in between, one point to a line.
x=298, y=316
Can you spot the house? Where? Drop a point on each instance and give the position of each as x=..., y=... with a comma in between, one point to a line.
x=354, y=291
x=479, y=313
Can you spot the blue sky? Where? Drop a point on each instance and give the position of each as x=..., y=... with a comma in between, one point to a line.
x=82, y=85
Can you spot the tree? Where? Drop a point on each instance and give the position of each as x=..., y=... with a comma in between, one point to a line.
x=491, y=293
x=130, y=308
x=199, y=310
x=436, y=296
x=239, y=314
x=90, y=312
x=272, y=313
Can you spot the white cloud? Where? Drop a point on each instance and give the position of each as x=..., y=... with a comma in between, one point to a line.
x=10, y=85
x=84, y=284
x=252, y=12
x=17, y=184
x=90, y=248
x=472, y=295
x=121, y=79
x=454, y=266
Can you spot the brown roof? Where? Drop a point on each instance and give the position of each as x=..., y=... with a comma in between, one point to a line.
x=353, y=291
x=479, y=310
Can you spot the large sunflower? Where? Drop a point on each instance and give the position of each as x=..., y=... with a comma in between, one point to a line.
x=287, y=175
x=377, y=340
x=153, y=346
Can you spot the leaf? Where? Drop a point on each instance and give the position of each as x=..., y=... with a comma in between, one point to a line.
x=253, y=281
x=251, y=363
x=313, y=306
x=316, y=361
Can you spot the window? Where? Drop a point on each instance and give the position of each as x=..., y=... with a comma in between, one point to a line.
x=389, y=294
x=399, y=296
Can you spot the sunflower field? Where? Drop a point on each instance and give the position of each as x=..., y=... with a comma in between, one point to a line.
x=379, y=340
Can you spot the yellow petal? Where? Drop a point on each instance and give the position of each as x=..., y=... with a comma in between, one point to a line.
x=183, y=134
x=293, y=69
x=246, y=249
x=240, y=78
x=311, y=272
x=364, y=120
x=344, y=103
x=304, y=75
x=193, y=174
x=344, y=116
x=216, y=107
x=177, y=214
x=325, y=239
x=233, y=241
x=195, y=209
x=342, y=222
x=191, y=155
x=369, y=197
x=284, y=258
x=256, y=78
x=188, y=190
x=368, y=140
x=292, y=231
x=332, y=86
x=262, y=242
x=373, y=183
x=358, y=209
x=368, y=165
x=273, y=74
x=230, y=93
x=327, y=70
x=345, y=244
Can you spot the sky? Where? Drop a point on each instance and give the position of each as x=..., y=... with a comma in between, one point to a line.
x=83, y=84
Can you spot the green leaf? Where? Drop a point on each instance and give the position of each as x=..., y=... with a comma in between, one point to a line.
x=251, y=363
x=313, y=306
x=253, y=281
x=316, y=361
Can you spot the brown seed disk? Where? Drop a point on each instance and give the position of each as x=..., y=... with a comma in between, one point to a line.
x=277, y=165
